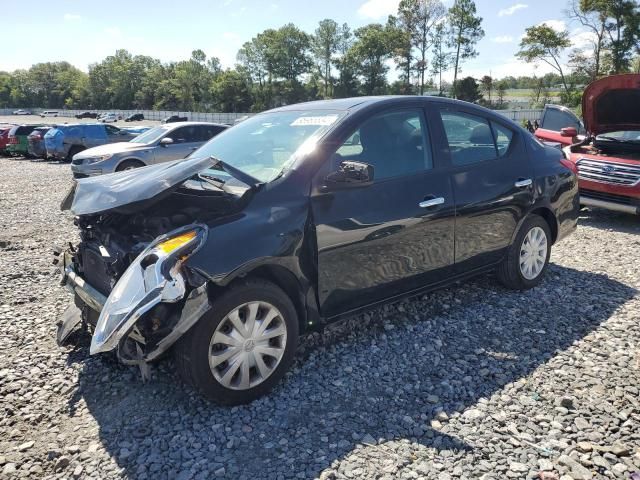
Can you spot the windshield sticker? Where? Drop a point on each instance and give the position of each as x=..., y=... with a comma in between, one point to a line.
x=316, y=121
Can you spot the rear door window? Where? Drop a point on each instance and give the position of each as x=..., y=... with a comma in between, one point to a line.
x=503, y=136
x=469, y=136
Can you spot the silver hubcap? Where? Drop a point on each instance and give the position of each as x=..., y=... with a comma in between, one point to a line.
x=533, y=253
x=248, y=345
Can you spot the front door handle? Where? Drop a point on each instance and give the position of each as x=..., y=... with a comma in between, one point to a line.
x=432, y=202
x=523, y=183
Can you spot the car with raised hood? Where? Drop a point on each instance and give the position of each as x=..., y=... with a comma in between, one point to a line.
x=35, y=142
x=159, y=144
x=64, y=141
x=607, y=157
x=300, y=216
x=17, y=142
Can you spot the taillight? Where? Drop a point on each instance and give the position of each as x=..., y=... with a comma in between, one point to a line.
x=570, y=165
x=36, y=137
x=13, y=140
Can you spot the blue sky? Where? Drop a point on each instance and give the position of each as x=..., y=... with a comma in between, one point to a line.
x=83, y=32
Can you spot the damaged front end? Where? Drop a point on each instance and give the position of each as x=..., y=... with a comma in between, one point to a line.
x=153, y=303
x=129, y=274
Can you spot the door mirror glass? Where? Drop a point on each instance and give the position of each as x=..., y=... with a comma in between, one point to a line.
x=569, y=132
x=166, y=141
x=351, y=174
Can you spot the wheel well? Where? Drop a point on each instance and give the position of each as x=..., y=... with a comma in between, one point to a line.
x=285, y=280
x=129, y=160
x=550, y=218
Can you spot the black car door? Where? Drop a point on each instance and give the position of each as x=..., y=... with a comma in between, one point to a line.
x=394, y=235
x=492, y=182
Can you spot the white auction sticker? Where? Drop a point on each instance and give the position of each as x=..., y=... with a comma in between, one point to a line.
x=318, y=121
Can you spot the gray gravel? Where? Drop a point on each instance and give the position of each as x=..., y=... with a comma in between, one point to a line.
x=468, y=382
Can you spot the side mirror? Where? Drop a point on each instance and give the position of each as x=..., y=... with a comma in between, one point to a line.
x=350, y=174
x=166, y=141
x=569, y=132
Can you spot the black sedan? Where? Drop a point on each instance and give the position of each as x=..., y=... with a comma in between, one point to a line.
x=134, y=117
x=299, y=216
x=175, y=118
x=87, y=115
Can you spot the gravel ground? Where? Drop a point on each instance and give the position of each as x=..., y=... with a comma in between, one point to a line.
x=472, y=381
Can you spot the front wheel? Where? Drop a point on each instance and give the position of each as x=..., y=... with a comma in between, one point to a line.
x=528, y=257
x=241, y=348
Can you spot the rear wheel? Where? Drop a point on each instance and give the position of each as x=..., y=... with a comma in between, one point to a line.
x=240, y=349
x=129, y=165
x=528, y=256
x=72, y=152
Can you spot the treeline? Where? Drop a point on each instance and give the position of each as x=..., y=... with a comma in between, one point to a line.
x=287, y=65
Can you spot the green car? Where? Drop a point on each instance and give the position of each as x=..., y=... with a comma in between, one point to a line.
x=18, y=144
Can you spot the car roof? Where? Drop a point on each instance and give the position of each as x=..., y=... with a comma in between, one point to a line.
x=358, y=103
x=182, y=124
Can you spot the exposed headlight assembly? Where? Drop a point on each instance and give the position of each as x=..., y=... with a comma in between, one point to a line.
x=100, y=158
x=153, y=277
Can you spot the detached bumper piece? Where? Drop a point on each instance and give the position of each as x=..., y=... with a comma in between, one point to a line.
x=150, y=307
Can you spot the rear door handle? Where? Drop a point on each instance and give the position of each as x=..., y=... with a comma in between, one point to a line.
x=523, y=183
x=432, y=202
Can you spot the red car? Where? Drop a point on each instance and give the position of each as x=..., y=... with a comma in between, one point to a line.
x=608, y=156
x=4, y=138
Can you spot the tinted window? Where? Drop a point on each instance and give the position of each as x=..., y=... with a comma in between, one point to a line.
x=207, y=132
x=185, y=134
x=556, y=120
x=469, y=136
x=503, y=137
x=111, y=130
x=23, y=130
x=394, y=143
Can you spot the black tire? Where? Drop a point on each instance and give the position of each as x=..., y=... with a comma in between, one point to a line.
x=72, y=151
x=129, y=165
x=193, y=350
x=509, y=272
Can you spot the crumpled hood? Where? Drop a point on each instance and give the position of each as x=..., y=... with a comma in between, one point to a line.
x=612, y=104
x=106, y=192
x=111, y=148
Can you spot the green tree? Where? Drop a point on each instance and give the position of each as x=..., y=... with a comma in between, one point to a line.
x=591, y=15
x=442, y=59
x=326, y=43
x=467, y=89
x=231, y=92
x=543, y=43
x=418, y=18
x=374, y=45
x=501, y=91
x=486, y=85
x=347, y=85
x=465, y=30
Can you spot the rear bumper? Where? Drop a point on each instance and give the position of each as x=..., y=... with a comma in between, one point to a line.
x=609, y=205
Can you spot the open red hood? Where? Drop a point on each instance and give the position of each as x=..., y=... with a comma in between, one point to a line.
x=611, y=104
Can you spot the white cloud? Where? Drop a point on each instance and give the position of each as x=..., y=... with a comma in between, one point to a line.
x=113, y=31
x=376, y=9
x=557, y=25
x=582, y=39
x=512, y=9
x=503, y=39
x=71, y=17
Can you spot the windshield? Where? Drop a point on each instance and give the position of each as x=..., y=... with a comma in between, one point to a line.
x=622, y=136
x=265, y=145
x=150, y=136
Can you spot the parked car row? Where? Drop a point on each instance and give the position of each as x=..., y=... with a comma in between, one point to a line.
x=605, y=148
x=61, y=142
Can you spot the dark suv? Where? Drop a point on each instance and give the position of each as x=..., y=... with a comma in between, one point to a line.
x=299, y=216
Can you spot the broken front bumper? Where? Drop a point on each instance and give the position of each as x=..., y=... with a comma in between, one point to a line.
x=154, y=277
